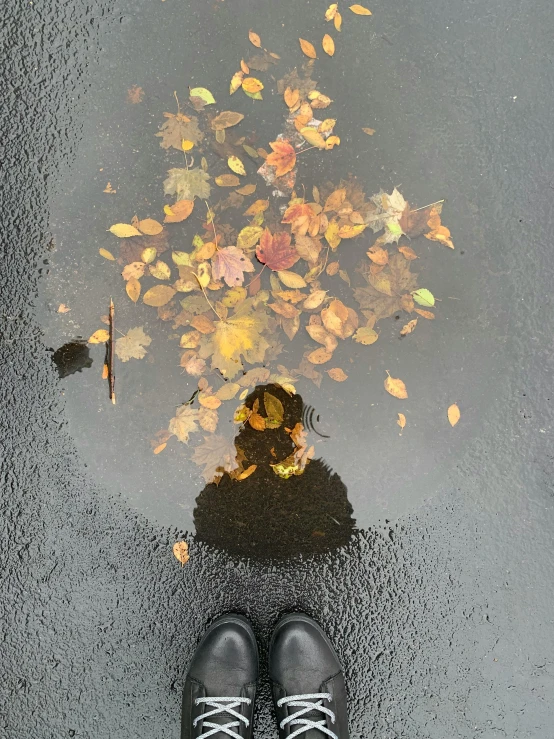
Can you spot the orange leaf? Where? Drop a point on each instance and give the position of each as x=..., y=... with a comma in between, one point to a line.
x=283, y=157
x=179, y=211
x=328, y=45
x=308, y=48
x=254, y=38
x=453, y=414
x=360, y=10
x=337, y=374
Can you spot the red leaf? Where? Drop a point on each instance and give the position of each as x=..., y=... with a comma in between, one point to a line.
x=230, y=264
x=283, y=157
x=276, y=251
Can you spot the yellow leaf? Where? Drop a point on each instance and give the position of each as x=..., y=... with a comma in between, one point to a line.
x=313, y=137
x=100, y=336
x=132, y=289
x=453, y=414
x=331, y=12
x=337, y=374
x=332, y=235
x=331, y=142
x=366, y=336
x=254, y=39
x=291, y=97
x=160, y=270
x=327, y=125
x=186, y=145
x=235, y=164
x=149, y=254
x=319, y=356
x=106, y=254
x=124, y=230
x=209, y=401
x=158, y=295
x=328, y=45
x=396, y=387
x=401, y=420
x=150, y=227
x=252, y=85
x=360, y=10
x=337, y=20
x=227, y=180
x=349, y=232
x=239, y=335
x=409, y=327
x=291, y=279
x=181, y=550
x=182, y=258
x=259, y=206
x=203, y=274
x=308, y=48
x=249, y=237
x=236, y=82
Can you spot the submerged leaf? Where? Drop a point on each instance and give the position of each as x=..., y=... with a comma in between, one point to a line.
x=217, y=454
x=226, y=119
x=177, y=128
x=132, y=345
x=158, y=295
x=184, y=423
x=187, y=184
x=337, y=374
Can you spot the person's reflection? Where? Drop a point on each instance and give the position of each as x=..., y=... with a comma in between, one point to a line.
x=265, y=515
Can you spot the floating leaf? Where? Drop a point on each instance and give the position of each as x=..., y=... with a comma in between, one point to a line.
x=350, y=232
x=239, y=336
x=331, y=11
x=369, y=131
x=313, y=137
x=314, y=300
x=247, y=189
x=160, y=270
x=178, y=127
x=291, y=97
x=409, y=327
x=148, y=255
x=259, y=206
x=401, y=420
x=396, y=387
x=132, y=288
x=291, y=279
x=158, y=295
x=124, y=230
x=328, y=45
x=337, y=374
x=378, y=255
x=254, y=39
x=230, y=264
x=217, y=454
x=274, y=410
x=453, y=414
x=132, y=345
x=276, y=251
x=252, y=85
x=209, y=401
x=235, y=164
x=254, y=96
x=424, y=297
x=99, y=337
x=438, y=231
x=425, y=314
x=226, y=119
x=179, y=211
x=227, y=180
x=204, y=94
x=407, y=252
x=249, y=237
x=187, y=184
x=106, y=254
x=283, y=157
x=181, y=551
x=338, y=21
x=184, y=423
x=203, y=274
x=319, y=356
x=360, y=10
x=308, y=48
x=228, y=391
x=187, y=145
x=236, y=82
x=366, y=336
x=332, y=235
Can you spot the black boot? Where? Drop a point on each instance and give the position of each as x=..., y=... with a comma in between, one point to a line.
x=307, y=680
x=220, y=687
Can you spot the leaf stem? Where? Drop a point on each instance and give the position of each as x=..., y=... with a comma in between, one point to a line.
x=256, y=276
x=427, y=206
x=211, y=219
x=207, y=298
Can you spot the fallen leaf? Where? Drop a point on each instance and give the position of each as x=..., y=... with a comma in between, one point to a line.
x=283, y=157
x=425, y=314
x=106, y=254
x=337, y=374
x=360, y=10
x=131, y=346
x=378, y=255
x=247, y=190
x=319, y=356
x=401, y=420
x=227, y=180
x=187, y=145
x=235, y=164
x=236, y=82
x=203, y=323
x=308, y=48
x=158, y=295
x=389, y=210
x=105, y=371
x=369, y=131
x=132, y=288
x=239, y=337
x=179, y=211
x=208, y=419
x=181, y=552
x=63, y=308
x=366, y=336
x=407, y=252
x=438, y=231
x=339, y=320
x=184, y=423
x=424, y=297
x=148, y=255
x=204, y=95
x=124, y=230
x=313, y=137
x=314, y=300
x=109, y=188
x=230, y=264
x=276, y=250
x=178, y=127
x=217, y=454
x=160, y=270
x=249, y=237
x=453, y=414
x=396, y=387
x=187, y=184
x=254, y=38
x=338, y=21
x=257, y=207
x=388, y=291
x=252, y=85
x=332, y=235
x=209, y=401
x=409, y=327
x=150, y=227
x=322, y=336
x=291, y=97
x=331, y=142
x=331, y=11
x=274, y=410
x=99, y=337
x=228, y=391
x=332, y=268
x=226, y=119
x=328, y=45
x=135, y=94
x=291, y=279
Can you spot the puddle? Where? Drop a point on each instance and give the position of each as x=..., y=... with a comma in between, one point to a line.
x=152, y=445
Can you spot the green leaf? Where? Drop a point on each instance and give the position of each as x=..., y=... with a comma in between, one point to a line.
x=253, y=95
x=424, y=297
x=203, y=94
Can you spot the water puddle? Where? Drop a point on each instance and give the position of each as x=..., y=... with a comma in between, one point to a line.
x=280, y=349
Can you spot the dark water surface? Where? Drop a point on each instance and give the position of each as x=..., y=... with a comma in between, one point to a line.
x=421, y=145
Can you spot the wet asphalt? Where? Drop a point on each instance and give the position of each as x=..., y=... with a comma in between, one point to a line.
x=442, y=614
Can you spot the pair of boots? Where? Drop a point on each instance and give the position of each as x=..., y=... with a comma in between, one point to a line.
x=306, y=676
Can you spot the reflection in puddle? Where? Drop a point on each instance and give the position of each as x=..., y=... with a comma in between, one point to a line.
x=279, y=509
x=72, y=357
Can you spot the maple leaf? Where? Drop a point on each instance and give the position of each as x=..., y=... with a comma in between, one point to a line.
x=132, y=345
x=184, y=423
x=179, y=127
x=239, y=336
x=385, y=292
x=276, y=251
x=187, y=184
x=283, y=157
x=389, y=210
x=230, y=264
x=218, y=455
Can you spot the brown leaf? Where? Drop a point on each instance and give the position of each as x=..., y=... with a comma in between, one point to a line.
x=178, y=127
x=276, y=250
x=227, y=180
x=332, y=268
x=319, y=356
x=366, y=336
x=226, y=119
x=378, y=255
x=360, y=10
x=396, y=387
x=209, y=401
x=335, y=200
x=254, y=39
x=291, y=97
x=257, y=422
x=208, y=419
x=369, y=131
x=258, y=206
x=407, y=252
x=62, y=308
x=337, y=374
x=246, y=189
x=158, y=295
x=150, y=227
x=135, y=94
x=181, y=552
x=308, y=48
x=438, y=231
x=203, y=323
x=453, y=414
x=409, y=327
x=425, y=313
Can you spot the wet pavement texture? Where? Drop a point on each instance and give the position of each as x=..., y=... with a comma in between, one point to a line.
x=435, y=587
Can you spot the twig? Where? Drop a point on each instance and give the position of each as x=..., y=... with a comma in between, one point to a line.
x=427, y=206
x=211, y=215
x=111, y=374
x=256, y=276
x=207, y=298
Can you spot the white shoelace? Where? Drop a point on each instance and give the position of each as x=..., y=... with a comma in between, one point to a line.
x=218, y=707
x=307, y=703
